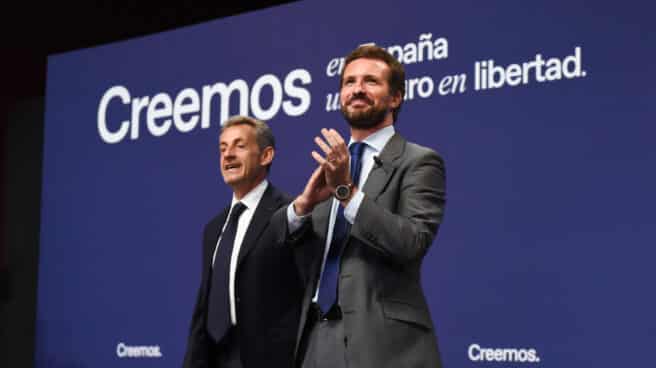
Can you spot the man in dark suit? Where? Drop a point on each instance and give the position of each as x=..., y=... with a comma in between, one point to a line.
x=247, y=309
x=361, y=228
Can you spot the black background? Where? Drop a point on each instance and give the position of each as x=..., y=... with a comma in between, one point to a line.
x=31, y=32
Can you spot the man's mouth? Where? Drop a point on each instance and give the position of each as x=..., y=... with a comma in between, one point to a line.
x=359, y=102
x=231, y=167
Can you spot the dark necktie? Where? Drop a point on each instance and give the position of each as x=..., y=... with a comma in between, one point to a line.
x=218, y=308
x=328, y=286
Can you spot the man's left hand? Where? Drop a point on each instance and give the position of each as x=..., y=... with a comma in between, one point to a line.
x=337, y=158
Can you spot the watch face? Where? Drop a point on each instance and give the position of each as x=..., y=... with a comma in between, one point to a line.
x=342, y=192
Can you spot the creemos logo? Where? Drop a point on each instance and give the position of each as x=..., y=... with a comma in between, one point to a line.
x=122, y=115
x=128, y=351
x=476, y=353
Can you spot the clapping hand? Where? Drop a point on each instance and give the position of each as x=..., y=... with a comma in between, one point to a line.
x=333, y=170
x=336, y=161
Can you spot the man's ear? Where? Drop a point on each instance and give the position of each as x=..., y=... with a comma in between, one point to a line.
x=396, y=100
x=266, y=157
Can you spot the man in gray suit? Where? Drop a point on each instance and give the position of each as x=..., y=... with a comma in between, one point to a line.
x=362, y=227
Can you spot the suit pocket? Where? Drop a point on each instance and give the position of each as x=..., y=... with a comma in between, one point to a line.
x=401, y=311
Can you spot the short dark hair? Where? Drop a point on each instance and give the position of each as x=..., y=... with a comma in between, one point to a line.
x=396, y=76
x=263, y=134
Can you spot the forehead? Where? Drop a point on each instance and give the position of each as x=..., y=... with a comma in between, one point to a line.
x=237, y=132
x=364, y=66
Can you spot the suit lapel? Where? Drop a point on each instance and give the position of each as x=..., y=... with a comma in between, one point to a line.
x=321, y=216
x=382, y=173
x=265, y=209
x=214, y=241
x=210, y=248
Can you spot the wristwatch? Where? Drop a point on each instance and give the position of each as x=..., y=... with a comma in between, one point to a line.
x=343, y=191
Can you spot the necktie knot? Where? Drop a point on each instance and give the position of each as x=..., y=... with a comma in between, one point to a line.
x=236, y=211
x=356, y=149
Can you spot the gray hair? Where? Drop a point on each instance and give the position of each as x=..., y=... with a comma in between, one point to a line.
x=263, y=133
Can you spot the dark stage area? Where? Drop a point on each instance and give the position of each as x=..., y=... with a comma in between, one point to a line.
x=31, y=32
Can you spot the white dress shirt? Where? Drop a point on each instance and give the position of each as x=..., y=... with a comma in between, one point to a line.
x=375, y=144
x=250, y=200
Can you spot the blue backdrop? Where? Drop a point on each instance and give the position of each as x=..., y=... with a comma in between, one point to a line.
x=548, y=238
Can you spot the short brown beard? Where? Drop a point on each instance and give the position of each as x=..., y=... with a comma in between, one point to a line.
x=364, y=119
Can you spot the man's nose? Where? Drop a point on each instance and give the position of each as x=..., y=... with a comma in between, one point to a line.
x=229, y=152
x=358, y=87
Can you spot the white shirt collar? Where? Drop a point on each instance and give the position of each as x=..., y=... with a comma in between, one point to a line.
x=252, y=198
x=378, y=139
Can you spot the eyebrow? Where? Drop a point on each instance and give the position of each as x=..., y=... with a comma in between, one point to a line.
x=237, y=140
x=368, y=75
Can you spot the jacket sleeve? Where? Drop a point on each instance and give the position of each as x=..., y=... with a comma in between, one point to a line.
x=280, y=224
x=198, y=342
x=197, y=354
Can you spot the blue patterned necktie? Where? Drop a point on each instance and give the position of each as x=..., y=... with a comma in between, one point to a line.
x=218, y=308
x=328, y=283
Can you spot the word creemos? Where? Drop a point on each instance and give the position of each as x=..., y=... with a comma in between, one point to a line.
x=120, y=114
x=476, y=353
x=127, y=351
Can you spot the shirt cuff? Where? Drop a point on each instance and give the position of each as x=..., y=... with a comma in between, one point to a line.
x=353, y=206
x=294, y=221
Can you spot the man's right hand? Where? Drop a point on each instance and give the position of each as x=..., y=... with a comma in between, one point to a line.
x=316, y=191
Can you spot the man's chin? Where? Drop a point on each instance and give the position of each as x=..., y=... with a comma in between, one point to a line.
x=232, y=180
x=364, y=119
x=361, y=123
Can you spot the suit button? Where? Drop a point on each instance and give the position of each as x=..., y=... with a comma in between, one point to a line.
x=237, y=299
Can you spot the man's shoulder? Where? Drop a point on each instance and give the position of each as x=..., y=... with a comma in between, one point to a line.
x=414, y=151
x=278, y=197
x=218, y=219
x=272, y=196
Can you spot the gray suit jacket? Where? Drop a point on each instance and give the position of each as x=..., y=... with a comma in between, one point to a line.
x=386, y=318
